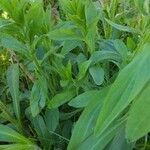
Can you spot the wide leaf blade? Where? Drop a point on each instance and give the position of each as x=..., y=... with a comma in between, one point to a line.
x=127, y=86
x=138, y=123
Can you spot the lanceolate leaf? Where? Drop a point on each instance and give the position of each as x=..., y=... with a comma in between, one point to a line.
x=90, y=17
x=120, y=142
x=19, y=146
x=83, y=99
x=13, y=84
x=83, y=67
x=42, y=131
x=100, y=56
x=97, y=74
x=9, y=135
x=66, y=32
x=61, y=98
x=84, y=126
x=122, y=27
x=91, y=24
x=121, y=48
x=12, y=43
x=127, y=86
x=91, y=36
x=83, y=134
x=52, y=119
x=38, y=96
x=69, y=45
x=138, y=123
x=100, y=142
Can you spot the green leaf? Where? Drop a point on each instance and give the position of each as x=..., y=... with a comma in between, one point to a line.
x=61, y=98
x=91, y=24
x=19, y=146
x=15, y=9
x=5, y=5
x=66, y=31
x=83, y=99
x=13, y=84
x=4, y=23
x=67, y=6
x=9, y=135
x=81, y=58
x=122, y=27
x=42, y=131
x=143, y=6
x=138, y=123
x=91, y=36
x=34, y=25
x=131, y=43
x=90, y=17
x=84, y=126
x=67, y=127
x=132, y=81
x=38, y=96
x=97, y=74
x=6, y=114
x=12, y=43
x=80, y=8
x=113, y=8
x=83, y=67
x=100, y=56
x=69, y=45
x=101, y=141
x=66, y=72
x=120, y=142
x=121, y=48
x=83, y=134
x=52, y=119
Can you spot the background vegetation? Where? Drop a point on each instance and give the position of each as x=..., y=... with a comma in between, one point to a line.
x=74, y=74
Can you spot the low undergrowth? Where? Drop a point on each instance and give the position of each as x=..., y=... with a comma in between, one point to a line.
x=74, y=74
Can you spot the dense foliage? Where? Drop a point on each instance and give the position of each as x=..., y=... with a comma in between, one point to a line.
x=74, y=74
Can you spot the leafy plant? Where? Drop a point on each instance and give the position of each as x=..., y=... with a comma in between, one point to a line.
x=74, y=74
